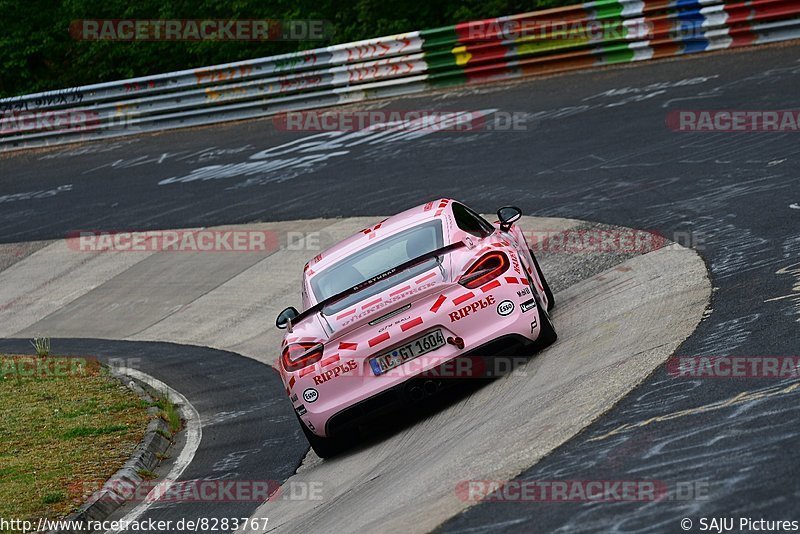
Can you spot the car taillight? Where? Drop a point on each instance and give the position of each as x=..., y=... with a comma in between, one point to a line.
x=299, y=355
x=485, y=270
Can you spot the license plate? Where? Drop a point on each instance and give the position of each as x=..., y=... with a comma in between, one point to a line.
x=400, y=355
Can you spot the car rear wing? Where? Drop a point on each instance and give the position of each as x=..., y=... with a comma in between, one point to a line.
x=377, y=278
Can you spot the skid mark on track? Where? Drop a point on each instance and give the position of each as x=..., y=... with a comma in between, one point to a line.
x=741, y=398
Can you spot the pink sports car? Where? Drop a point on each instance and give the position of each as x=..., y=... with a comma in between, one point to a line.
x=389, y=309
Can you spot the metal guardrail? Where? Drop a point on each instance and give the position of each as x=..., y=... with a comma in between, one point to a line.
x=600, y=32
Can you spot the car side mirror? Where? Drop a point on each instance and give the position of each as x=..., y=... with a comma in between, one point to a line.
x=508, y=215
x=285, y=317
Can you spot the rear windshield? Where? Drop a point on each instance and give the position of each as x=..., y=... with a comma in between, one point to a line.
x=375, y=259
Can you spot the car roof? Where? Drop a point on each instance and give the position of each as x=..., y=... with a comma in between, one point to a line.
x=385, y=228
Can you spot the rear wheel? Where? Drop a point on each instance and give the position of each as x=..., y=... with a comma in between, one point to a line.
x=549, y=294
x=323, y=447
x=547, y=334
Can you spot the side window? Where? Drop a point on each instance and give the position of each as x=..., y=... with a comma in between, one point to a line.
x=471, y=222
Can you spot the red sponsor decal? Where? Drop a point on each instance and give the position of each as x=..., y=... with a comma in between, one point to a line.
x=398, y=291
x=345, y=314
x=378, y=339
x=411, y=324
x=463, y=298
x=472, y=308
x=371, y=303
x=426, y=277
x=328, y=361
x=491, y=285
x=335, y=372
x=438, y=303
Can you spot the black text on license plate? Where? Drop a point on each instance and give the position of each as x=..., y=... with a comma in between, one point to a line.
x=400, y=355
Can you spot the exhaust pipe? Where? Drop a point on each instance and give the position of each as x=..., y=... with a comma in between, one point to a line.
x=416, y=393
x=430, y=387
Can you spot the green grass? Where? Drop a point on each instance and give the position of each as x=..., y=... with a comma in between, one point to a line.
x=42, y=346
x=62, y=437
x=55, y=497
x=88, y=431
x=169, y=413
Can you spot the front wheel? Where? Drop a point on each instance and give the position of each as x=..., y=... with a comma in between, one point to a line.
x=549, y=294
x=323, y=447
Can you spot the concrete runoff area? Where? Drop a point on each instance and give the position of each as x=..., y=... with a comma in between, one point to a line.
x=615, y=327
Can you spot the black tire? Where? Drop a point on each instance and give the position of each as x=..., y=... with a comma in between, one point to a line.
x=551, y=303
x=547, y=334
x=323, y=447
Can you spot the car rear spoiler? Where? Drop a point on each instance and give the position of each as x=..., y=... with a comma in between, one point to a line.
x=377, y=278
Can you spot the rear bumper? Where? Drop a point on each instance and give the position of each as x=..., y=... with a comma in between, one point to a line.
x=385, y=402
x=499, y=317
